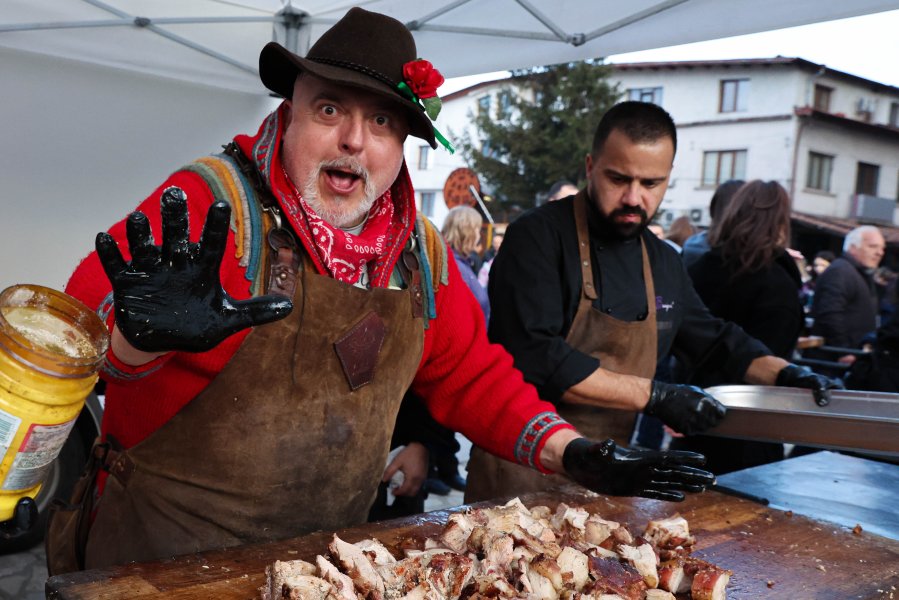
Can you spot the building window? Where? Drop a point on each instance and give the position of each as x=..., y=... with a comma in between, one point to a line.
x=652, y=94
x=734, y=93
x=894, y=114
x=720, y=165
x=866, y=179
x=424, y=152
x=822, y=97
x=504, y=104
x=427, y=203
x=820, y=166
x=484, y=105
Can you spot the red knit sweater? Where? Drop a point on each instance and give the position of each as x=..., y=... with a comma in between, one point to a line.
x=468, y=384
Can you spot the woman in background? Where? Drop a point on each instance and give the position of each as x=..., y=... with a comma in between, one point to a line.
x=462, y=231
x=749, y=278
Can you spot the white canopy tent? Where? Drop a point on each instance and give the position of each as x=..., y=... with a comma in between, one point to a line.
x=216, y=42
x=103, y=98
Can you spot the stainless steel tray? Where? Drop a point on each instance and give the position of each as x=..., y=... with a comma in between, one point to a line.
x=863, y=421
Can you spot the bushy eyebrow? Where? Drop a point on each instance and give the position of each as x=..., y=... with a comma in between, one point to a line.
x=616, y=174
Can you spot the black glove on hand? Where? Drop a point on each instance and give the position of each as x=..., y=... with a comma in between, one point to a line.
x=685, y=408
x=23, y=519
x=607, y=468
x=803, y=377
x=170, y=297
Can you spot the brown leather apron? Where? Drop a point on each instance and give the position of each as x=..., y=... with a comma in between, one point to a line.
x=280, y=443
x=626, y=347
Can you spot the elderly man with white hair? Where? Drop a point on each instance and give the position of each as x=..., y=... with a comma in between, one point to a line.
x=845, y=304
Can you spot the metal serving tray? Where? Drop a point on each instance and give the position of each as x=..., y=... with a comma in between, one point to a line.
x=862, y=421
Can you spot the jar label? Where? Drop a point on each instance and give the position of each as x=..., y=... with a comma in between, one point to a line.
x=39, y=449
x=9, y=425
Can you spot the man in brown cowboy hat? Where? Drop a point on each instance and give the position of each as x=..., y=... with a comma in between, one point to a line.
x=254, y=375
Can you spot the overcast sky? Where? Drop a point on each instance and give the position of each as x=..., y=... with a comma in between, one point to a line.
x=867, y=46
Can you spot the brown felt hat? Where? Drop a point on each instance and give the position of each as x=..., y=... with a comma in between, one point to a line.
x=364, y=49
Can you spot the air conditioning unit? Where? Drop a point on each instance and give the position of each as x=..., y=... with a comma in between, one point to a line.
x=872, y=209
x=863, y=105
x=864, y=108
x=696, y=216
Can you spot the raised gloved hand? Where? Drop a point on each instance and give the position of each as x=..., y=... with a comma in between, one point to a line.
x=685, y=408
x=170, y=297
x=606, y=468
x=803, y=377
x=23, y=519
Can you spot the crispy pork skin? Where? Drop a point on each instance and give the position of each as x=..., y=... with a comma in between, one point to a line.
x=614, y=577
x=709, y=582
x=673, y=578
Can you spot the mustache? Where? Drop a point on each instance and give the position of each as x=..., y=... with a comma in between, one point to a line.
x=629, y=210
x=345, y=163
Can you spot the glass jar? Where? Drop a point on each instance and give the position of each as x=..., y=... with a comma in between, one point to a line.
x=51, y=348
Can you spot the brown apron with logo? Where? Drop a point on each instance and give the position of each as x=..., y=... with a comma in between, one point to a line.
x=626, y=347
x=292, y=435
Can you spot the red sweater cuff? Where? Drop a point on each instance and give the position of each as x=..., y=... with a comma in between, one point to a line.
x=547, y=432
x=114, y=368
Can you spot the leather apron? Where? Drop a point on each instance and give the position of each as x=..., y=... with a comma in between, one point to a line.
x=626, y=347
x=280, y=443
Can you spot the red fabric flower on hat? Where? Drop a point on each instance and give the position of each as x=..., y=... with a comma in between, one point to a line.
x=423, y=78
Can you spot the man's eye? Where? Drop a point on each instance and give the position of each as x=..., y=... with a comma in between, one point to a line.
x=382, y=120
x=329, y=110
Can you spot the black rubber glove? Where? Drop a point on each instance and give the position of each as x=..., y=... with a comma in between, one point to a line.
x=23, y=519
x=170, y=297
x=803, y=377
x=607, y=468
x=685, y=408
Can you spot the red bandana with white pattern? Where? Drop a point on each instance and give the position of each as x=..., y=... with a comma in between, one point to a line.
x=343, y=254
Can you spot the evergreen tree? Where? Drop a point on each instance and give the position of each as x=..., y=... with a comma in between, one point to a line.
x=538, y=130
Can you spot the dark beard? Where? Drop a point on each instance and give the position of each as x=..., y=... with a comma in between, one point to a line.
x=624, y=231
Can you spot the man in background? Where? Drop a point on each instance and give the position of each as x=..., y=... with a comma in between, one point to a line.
x=845, y=302
x=561, y=189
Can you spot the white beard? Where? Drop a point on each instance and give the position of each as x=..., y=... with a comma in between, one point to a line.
x=340, y=212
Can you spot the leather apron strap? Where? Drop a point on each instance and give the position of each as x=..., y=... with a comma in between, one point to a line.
x=627, y=347
x=290, y=437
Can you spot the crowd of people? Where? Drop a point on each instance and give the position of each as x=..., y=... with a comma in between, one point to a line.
x=285, y=327
x=745, y=272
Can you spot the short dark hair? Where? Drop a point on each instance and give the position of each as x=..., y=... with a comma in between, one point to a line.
x=639, y=121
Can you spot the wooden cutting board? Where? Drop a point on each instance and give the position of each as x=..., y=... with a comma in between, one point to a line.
x=773, y=554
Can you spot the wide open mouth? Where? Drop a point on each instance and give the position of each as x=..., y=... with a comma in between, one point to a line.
x=344, y=173
x=342, y=179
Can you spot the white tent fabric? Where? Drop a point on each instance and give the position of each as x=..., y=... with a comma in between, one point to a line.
x=103, y=98
x=216, y=42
